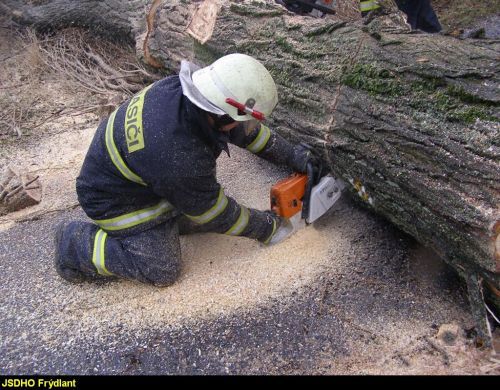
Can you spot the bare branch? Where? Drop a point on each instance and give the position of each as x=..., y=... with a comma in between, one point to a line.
x=91, y=66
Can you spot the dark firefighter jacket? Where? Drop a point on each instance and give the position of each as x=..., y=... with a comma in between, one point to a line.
x=155, y=158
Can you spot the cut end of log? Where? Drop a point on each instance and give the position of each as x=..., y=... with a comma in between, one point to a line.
x=203, y=23
x=33, y=188
x=18, y=191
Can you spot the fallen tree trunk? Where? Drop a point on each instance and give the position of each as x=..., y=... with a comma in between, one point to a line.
x=409, y=120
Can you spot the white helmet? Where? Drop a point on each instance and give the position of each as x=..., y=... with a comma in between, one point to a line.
x=239, y=85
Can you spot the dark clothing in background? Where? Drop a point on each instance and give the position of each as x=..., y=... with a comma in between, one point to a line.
x=420, y=14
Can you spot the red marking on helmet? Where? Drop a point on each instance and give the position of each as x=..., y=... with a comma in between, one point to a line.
x=250, y=111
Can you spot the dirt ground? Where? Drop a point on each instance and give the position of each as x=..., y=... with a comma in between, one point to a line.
x=463, y=15
x=349, y=295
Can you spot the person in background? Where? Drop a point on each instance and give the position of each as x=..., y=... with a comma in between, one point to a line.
x=420, y=14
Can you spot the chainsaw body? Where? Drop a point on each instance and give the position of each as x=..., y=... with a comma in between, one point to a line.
x=287, y=195
x=303, y=196
x=323, y=196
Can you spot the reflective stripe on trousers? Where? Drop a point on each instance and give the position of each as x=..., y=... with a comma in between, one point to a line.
x=135, y=218
x=98, y=255
x=240, y=224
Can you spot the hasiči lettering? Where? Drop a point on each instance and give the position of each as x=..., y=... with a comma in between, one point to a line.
x=134, y=131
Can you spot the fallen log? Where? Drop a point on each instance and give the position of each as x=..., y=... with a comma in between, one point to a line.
x=409, y=120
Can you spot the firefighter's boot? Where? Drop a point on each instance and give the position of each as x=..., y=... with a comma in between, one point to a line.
x=65, y=266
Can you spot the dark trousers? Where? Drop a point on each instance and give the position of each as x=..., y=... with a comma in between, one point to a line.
x=152, y=256
x=420, y=15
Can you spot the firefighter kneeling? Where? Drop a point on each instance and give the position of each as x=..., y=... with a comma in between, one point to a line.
x=149, y=174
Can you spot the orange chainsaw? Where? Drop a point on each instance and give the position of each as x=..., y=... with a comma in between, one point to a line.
x=305, y=197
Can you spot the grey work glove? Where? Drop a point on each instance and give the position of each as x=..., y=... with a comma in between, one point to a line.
x=283, y=229
x=300, y=156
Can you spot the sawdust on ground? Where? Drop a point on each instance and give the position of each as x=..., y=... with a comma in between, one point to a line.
x=220, y=274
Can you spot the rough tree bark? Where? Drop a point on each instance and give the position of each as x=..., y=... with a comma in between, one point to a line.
x=409, y=120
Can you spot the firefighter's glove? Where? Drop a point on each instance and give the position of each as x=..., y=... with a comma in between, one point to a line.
x=300, y=156
x=284, y=229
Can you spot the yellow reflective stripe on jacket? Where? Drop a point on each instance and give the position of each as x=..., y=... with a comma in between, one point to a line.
x=272, y=233
x=98, y=256
x=135, y=218
x=240, y=224
x=369, y=5
x=114, y=154
x=261, y=140
x=213, y=212
x=134, y=131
